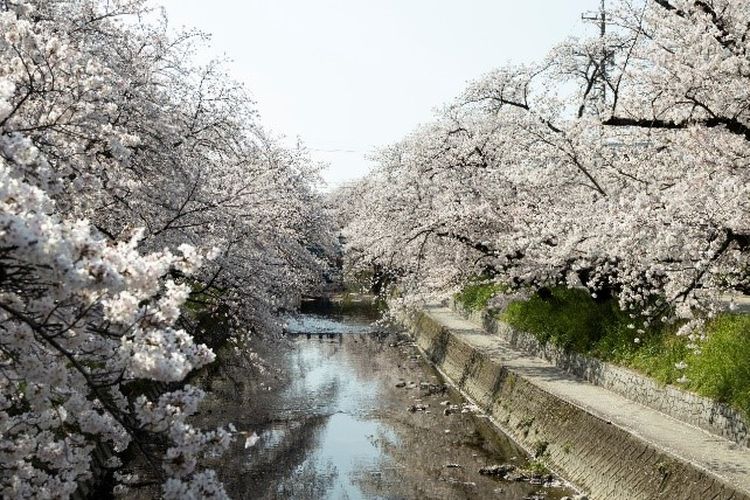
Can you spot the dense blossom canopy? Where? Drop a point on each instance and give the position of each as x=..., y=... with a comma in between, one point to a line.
x=132, y=183
x=634, y=184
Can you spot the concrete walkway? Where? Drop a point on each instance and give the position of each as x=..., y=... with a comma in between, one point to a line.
x=721, y=458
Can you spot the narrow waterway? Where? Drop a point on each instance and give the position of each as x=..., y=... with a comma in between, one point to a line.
x=344, y=410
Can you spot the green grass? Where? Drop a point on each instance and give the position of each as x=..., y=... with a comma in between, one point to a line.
x=572, y=320
x=477, y=294
x=722, y=369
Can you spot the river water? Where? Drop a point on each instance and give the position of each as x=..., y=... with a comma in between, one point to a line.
x=343, y=410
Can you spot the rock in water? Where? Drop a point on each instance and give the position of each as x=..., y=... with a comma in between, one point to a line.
x=497, y=470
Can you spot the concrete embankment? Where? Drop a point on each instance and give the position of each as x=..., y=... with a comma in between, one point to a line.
x=712, y=416
x=606, y=444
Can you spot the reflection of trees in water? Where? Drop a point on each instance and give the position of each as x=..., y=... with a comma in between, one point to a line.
x=283, y=470
x=311, y=480
x=414, y=447
x=365, y=355
x=267, y=472
x=413, y=464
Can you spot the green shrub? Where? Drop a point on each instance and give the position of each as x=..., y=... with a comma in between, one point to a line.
x=722, y=369
x=477, y=294
x=658, y=357
x=572, y=320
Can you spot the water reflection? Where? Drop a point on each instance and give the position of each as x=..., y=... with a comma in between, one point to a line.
x=333, y=422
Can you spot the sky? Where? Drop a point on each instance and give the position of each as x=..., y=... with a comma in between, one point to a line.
x=349, y=76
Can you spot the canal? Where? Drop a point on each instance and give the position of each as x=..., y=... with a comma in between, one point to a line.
x=344, y=409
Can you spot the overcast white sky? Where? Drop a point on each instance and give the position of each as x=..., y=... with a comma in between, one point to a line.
x=351, y=75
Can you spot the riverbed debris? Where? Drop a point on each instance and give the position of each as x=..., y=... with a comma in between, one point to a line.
x=251, y=440
x=418, y=407
x=501, y=470
x=453, y=480
x=470, y=408
x=511, y=473
x=400, y=343
x=450, y=409
x=429, y=389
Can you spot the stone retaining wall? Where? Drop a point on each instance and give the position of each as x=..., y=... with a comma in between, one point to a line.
x=713, y=417
x=603, y=459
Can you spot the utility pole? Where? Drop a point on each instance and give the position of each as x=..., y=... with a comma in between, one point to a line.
x=601, y=18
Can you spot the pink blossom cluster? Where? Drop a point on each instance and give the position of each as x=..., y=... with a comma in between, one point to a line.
x=139, y=196
x=619, y=164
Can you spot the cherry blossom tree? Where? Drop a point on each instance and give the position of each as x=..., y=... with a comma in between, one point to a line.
x=634, y=184
x=133, y=182
x=138, y=137
x=83, y=319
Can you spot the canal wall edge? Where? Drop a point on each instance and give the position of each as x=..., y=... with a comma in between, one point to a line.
x=603, y=459
x=707, y=414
